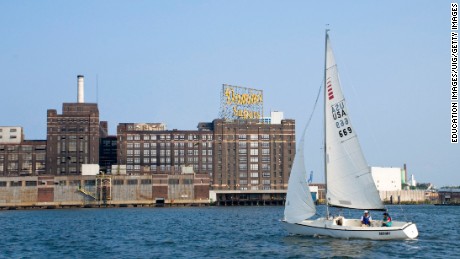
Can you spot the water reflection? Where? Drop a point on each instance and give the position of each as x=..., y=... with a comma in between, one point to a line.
x=331, y=247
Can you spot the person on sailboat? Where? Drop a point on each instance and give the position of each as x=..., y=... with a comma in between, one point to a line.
x=386, y=220
x=366, y=219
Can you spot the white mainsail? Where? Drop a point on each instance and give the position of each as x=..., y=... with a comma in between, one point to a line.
x=299, y=203
x=349, y=180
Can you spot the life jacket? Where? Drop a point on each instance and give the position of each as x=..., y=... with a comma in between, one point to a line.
x=366, y=220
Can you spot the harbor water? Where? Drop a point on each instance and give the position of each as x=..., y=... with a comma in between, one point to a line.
x=210, y=232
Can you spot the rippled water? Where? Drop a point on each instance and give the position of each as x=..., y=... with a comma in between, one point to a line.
x=211, y=232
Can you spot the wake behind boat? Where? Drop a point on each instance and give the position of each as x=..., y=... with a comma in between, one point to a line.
x=349, y=182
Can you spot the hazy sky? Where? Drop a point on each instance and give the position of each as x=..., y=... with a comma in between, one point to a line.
x=166, y=61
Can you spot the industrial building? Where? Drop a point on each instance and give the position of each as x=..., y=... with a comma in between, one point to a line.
x=72, y=137
x=20, y=157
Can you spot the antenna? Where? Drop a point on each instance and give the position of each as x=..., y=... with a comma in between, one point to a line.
x=97, y=88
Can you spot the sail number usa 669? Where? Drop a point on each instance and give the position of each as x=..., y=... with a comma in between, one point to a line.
x=340, y=117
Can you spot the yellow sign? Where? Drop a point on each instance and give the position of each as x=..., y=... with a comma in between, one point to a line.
x=242, y=99
x=241, y=103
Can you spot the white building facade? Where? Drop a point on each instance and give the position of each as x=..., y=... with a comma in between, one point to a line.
x=10, y=135
x=387, y=178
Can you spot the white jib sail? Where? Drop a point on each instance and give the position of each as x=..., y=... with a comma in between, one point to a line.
x=299, y=203
x=349, y=179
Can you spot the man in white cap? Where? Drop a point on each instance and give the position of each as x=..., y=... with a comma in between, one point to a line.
x=366, y=219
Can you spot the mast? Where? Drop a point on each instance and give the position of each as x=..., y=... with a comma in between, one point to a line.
x=324, y=113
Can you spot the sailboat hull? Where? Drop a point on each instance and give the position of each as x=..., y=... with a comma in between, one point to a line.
x=351, y=228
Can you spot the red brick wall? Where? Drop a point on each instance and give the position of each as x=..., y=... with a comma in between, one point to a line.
x=45, y=194
x=159, y=192
x=201, y=192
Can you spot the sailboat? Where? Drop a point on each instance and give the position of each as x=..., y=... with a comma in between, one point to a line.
x=349, y=183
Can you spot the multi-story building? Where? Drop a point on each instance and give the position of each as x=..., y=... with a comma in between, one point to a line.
x=107, y=153
x=253, y=156
x=239, y=155
x=150, y=148
x=19, y=157
x=73, y=136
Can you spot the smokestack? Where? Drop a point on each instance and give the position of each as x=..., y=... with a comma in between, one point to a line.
x=405, y=173
x=81, y=89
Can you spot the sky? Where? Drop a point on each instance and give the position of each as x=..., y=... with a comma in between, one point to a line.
x=166, y=61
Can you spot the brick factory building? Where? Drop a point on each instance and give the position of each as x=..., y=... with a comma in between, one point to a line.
x=72, y=137
x=238, y=155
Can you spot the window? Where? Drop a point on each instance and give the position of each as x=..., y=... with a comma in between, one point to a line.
x=118, y=182
x=90, y=182
x=243, y=166
x=242, y=136
x=266, y=174
x=146, y=181
x=243, y=181
x=254, y=175
x=243, y=175
x=254, y=152
x=255, y=181
x=265, y=145
x=31, y=183
x=265, y=136
x=242, y=144
x=265, y=151
x=254, y=137
x=254, y=166
x=132, y=181
x=242, y=151
x=15, y=183
x=266, y=182
x=254, y=159
x=146, y=145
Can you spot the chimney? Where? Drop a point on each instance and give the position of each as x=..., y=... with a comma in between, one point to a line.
x=81, y=89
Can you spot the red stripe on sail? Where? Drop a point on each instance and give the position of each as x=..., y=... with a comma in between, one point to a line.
x=330, y=93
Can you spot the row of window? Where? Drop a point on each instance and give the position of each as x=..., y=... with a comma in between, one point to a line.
x=12, y=157
x=167, y=153
x=11, y=130
x=192, y=137
x=14, y=166
x=254, y=181
x=245, y=188
x=165, y=168
x=254, y=174
x=22, y=148
x=167, y=137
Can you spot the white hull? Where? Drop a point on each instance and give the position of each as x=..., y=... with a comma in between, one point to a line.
x=351, y=228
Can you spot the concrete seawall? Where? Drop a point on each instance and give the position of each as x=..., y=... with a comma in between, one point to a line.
x=103, y=191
